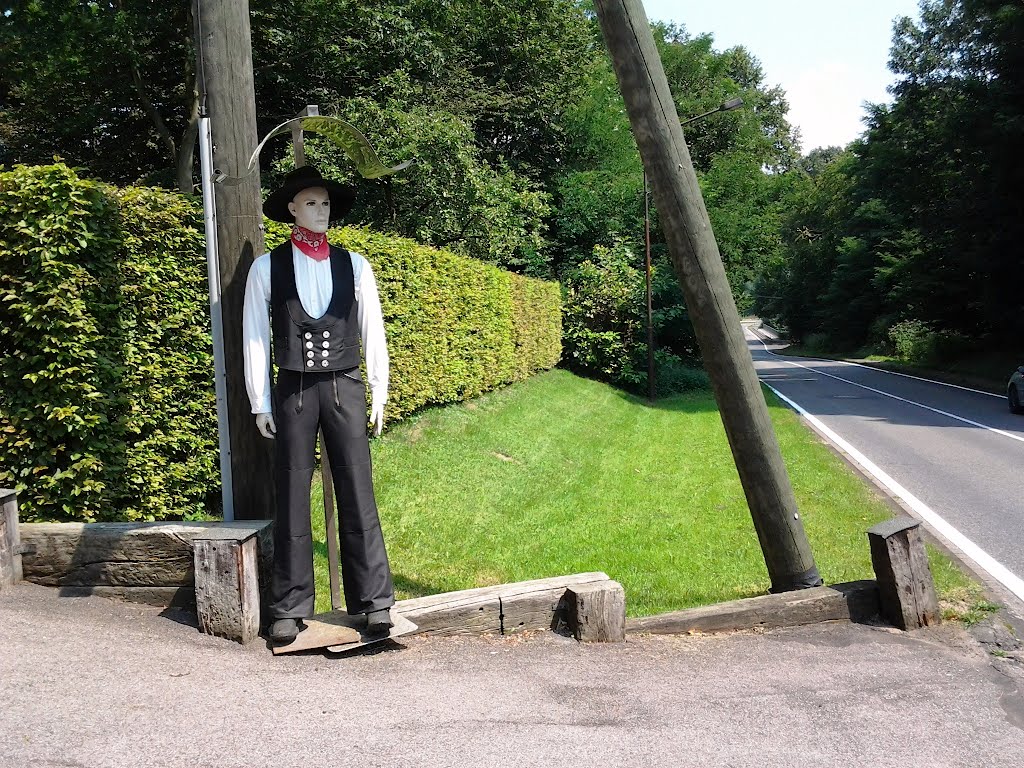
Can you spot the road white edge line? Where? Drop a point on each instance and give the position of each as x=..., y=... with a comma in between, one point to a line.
x=885, y=370
x=964, y=419
x=985, y=561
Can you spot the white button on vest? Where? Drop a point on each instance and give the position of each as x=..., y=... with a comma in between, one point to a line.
x=310, y=353
x=325, y=344
x=309, y=345
x=327, y=334
x=309, y=363
x=323, y=363
x=322, y=354
x=309, y=335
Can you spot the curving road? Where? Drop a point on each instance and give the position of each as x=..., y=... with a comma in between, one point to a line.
x=953, y=455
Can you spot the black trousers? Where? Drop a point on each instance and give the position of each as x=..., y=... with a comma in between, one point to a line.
x=335, y=402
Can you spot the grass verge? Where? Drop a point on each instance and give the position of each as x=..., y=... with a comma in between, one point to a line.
x=560, y=474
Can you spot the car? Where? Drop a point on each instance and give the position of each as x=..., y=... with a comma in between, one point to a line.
x=1015, y=391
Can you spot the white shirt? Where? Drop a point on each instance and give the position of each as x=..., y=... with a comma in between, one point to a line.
x=315, y=287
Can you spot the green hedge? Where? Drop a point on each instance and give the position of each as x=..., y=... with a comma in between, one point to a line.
x=171, y=465
x=58, y=297
x=456, y=327
x=107, y=409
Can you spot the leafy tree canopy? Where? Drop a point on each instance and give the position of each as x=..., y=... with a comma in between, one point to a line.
x=919, y=224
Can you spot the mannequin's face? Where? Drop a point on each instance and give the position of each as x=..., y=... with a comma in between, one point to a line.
x=312, y=209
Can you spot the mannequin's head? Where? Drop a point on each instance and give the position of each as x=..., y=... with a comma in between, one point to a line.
x=311, y=208
x=308, y=199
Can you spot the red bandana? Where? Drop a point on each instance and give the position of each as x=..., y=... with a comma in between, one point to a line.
x=313, y=244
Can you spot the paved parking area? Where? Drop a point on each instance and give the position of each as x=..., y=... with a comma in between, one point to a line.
x=88, y=682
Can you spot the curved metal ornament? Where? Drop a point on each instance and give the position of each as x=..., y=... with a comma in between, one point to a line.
x=339, y=132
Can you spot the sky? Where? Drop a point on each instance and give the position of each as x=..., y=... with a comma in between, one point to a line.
x=829, y=56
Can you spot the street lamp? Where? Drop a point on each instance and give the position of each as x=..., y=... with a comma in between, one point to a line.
x=725, y=106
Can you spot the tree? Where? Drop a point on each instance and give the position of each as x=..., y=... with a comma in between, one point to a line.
x=945, y=158
x=522, y=63
x=790, y=287
x=121, y=74
x=603, y=160
x=921, y=220
x=107, y=85
x=815, y=161
x=599, y=196
x=451, y=196
x=602, y=324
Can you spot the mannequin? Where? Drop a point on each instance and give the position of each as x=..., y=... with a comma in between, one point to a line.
x=309, y=304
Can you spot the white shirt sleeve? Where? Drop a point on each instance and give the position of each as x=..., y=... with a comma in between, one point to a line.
x=371, y=327
x=256, y=335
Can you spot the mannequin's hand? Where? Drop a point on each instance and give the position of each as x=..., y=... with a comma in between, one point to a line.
x=377, y=417
x=265, y=424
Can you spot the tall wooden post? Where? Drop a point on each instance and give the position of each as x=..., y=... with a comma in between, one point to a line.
x=10, y=539
x=224, y=53
x=698, y=265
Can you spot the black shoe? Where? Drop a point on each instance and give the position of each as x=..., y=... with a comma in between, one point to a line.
x=379, y=622
x=284, y=631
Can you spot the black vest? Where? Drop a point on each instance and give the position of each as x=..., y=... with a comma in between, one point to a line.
x=304, y=343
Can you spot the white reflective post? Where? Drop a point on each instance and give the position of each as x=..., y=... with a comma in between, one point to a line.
x=213, y=270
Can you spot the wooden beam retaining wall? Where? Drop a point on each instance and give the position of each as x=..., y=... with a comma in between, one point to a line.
x=144, y=562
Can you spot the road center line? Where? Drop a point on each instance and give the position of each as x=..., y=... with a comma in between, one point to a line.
x=1002, y=432
x=919, y=378
x=757, y=337
x=985, y=561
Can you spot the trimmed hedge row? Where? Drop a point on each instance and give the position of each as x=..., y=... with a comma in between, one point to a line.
x=171, y=462
x=107, y=409
x=456, y=327
x=57, y=300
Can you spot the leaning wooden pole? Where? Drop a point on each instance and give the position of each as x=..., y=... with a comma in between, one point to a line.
x=224, y=63
x=698, y=265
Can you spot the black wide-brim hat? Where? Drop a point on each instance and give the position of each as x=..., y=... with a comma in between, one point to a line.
x=304, y=177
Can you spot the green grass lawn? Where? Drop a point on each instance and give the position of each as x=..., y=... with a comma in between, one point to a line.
x=560, y=474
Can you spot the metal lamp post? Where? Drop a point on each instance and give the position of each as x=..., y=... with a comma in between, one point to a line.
x=725, y=106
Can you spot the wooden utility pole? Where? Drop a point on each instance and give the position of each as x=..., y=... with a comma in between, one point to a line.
x=698, y=265
x=224, y=63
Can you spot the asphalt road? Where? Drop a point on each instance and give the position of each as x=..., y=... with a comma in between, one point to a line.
x=955, y=453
